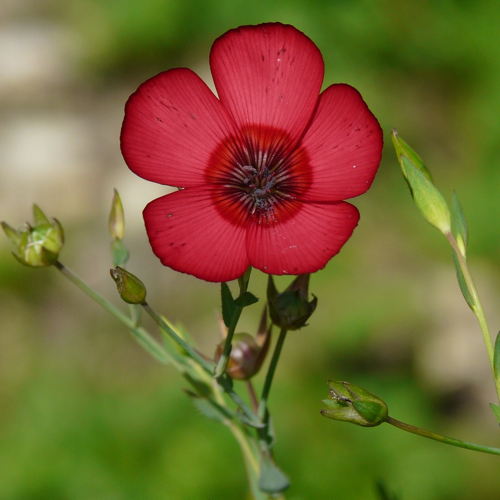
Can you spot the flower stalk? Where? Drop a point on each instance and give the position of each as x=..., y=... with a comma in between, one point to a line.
x=141, y=335
x=476, y=305
x=442, y=439
x=263, y=411
x=221, y=367
x=205, y=364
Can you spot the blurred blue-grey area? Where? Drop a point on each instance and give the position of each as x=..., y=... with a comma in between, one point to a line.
x=85, y=413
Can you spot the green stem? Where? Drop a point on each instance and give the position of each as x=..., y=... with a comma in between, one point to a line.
x=477, y=308
x=252, y=395
x=440, y=438
x=141, y=335
x=248, y=446
x=270, y=374
x=206, y=365
x=221, y=367
x=227, y=385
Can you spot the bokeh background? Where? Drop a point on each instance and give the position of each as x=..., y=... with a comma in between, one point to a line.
x=85, y=413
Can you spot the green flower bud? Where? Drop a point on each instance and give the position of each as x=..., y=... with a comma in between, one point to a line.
x=351, y=403
x=38, y=245
x=290, y=309
x=130, y=287
x=426, y=196
x=119, y=252
x=116, y=218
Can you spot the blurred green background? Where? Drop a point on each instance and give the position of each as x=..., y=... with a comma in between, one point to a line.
x=85, y=413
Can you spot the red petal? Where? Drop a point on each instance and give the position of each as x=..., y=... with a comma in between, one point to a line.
x=344, y=145
x=172, y=124
x=304, y=242
x=269, y=75
x=189, y=235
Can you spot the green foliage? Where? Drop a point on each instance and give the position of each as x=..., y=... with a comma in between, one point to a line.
x=272, y=479
x=228, y=305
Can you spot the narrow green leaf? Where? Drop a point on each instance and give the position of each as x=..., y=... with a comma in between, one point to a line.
x=459, y=224
x=255, y=424
x=246, y=299
x=210, y=409
x=462, y=283
x=228, y=306
x=496, y=357
x=271, y=479
x=496, y=411
x=427, y=198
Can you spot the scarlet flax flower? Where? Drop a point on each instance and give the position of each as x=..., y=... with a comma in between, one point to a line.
x=263, y=169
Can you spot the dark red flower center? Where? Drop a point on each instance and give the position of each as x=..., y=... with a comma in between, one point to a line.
x=258, y=177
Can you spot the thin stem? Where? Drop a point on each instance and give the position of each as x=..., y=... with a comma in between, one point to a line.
x=221, y=367
x=253, y=396
x=206, y=365
x=227, y=386
x=440, y=438
x=478, y=308
x=270, y=374
x=140, y=334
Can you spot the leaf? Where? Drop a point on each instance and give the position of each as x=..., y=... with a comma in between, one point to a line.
x=271, y=479
x=496, y=357
x=462, y=283
x=208, y=408
x=250, y=423
x=228, y=306
x=496, y=410
x=246, y=299
x=459, y=224
x=426, y=196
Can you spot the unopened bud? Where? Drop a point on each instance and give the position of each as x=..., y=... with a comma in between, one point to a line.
x=130, y=287
x=243, y=358
x=290, y=309
x=119, y=252
x=350, y=403
x=116, y=218
x=426, y=196
x=38, y=245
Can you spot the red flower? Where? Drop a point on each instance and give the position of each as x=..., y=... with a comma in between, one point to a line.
x=263, y=168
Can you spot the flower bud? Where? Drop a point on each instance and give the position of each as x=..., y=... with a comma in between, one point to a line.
x=351, y=403
x=130, y=287
x=38, y=245
x=426, y=196
x=247, y=352
x=243, y=359
x=290, y=309
x=119, y=252
x=116, y=218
